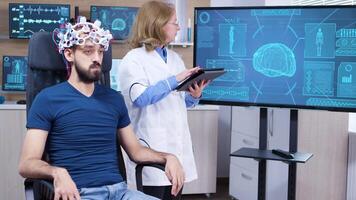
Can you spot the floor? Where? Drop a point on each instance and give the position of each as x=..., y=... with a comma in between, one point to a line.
x=222, y=192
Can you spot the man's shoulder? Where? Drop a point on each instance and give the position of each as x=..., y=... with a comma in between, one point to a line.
x=104, y=88
x=108, y=91
x=53, y=90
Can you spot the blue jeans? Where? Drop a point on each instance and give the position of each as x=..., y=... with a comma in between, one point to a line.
x=117, y=191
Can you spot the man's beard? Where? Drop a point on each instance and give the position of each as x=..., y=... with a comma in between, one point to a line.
x=88, y=76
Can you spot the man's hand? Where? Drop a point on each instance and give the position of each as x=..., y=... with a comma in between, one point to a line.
x=175, y=173
x=140, y=154
x=64, y=186
x=198, y=88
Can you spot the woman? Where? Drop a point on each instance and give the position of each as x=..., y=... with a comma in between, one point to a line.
x=148, y=75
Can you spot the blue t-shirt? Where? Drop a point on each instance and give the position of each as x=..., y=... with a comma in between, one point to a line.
x=82, y=131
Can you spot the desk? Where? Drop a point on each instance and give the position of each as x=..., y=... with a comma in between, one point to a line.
x=12, y=106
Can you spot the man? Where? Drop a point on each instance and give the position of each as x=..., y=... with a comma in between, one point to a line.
x=79, y=120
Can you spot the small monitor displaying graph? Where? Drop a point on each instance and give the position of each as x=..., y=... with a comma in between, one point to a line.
x=26, y=19
x=14, y=70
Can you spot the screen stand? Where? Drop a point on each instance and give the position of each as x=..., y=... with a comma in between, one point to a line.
x=262, y=155
x=262, y=163
x=293, y=147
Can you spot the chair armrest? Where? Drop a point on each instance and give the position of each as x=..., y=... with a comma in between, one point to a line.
x=139, y=168
x=39, y=189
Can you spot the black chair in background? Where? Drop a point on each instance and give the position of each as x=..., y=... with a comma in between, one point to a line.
x=46, y=67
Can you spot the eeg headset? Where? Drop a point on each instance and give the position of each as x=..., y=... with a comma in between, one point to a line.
x=77, y=34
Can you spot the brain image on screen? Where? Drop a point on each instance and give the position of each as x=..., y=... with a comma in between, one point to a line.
x=118, y=24
x=274, y=60
x=116, y=18
x=279, y=56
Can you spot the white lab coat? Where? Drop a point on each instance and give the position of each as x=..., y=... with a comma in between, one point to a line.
x=162, y=125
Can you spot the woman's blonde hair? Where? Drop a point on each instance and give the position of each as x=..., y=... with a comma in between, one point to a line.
x=147, y=28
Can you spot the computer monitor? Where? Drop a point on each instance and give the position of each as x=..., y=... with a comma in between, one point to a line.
x=14, y=72
x=114, y=74
x=26, y=19
x=116, y=18
x=293, y=57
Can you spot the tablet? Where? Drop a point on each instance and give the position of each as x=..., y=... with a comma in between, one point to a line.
x=203, y=74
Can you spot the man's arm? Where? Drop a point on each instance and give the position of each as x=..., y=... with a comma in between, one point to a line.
x=31, y=166
x=140, y=154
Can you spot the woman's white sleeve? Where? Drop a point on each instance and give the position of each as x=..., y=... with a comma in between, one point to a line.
x=132, y=78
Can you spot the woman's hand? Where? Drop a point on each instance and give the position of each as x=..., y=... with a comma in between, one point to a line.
x=186, y=73
x=198, y=88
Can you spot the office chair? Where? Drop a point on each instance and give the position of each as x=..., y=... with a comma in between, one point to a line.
x=46, y=67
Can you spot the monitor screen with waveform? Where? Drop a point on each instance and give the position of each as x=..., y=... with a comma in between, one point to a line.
x=14, y=72
x=293, y=57
x=117, y=19
x=26, y=19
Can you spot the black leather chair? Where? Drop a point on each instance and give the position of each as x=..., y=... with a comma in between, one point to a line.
x=46, y=67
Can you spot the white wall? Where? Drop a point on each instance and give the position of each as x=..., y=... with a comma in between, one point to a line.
x=224, y=3
x=180, y=6
x=278, y=2
x=352, y=122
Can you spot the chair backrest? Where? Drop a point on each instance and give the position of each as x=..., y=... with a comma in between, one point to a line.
x=46, y=67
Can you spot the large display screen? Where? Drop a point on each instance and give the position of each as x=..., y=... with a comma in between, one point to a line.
x=14, y=72
x=297, y=57
x=117, y=19
x=26, y=19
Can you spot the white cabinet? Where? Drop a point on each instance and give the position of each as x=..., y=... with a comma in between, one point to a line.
x=277, y=138
x=244, y=171
x=243, y=181
x=203, y=125
x=322, y=133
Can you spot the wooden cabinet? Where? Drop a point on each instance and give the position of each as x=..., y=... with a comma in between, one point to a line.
x=325, y=134
x=12, y=132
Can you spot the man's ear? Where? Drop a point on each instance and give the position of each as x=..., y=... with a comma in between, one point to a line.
x=69, y=55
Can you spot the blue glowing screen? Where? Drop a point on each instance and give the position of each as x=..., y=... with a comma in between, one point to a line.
x=279, y=56
x=14, y=70
x=114, y=74
x=25, y=19
x=118, y=20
